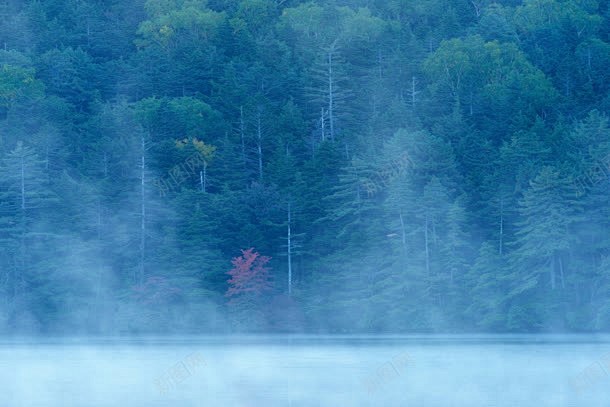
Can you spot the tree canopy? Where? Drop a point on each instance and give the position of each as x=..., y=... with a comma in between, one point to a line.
x=365, y=166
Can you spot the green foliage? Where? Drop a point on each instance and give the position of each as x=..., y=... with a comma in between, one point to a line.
x=445, y=164
x=17, y=84
x=172, y=22
x=493, y=82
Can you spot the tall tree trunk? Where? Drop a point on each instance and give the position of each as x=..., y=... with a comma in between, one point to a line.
x=242, y=136
x=552, y=270
x=501, y=226
x=414, y=92
x=105, y=164
x=323, y=124
x=22, y=248
x=203, y=178
x=22, y=183
x=426, y=241
x=561, y=275
x=289, y=250
x=99, y=221
x=379, y=64
x=404, y=240
x=259, y=138
x=141, y=268
x=331, y=96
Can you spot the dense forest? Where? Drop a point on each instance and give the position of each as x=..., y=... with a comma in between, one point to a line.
x=304, y=166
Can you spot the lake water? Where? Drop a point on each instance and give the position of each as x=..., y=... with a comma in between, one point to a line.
x=291, y=371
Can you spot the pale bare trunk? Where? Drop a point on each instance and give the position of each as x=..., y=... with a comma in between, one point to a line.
x=404, y=239
x=203, y=178
x=289, y=250
x=259, y=137
x=501, y=226
x=552, y=271
x=561, y=274
x=143, y=211
x=331, y=97
x=323, y=125
x=414, y=92
x=22, y=183
x=242, y=135
x=426, y=247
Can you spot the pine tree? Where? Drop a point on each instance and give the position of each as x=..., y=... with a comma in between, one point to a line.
x=27, y=202
x=545, y=236
x=487, y=285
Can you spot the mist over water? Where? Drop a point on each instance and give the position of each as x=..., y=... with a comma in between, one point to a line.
x=261, y=203
x=290, y=371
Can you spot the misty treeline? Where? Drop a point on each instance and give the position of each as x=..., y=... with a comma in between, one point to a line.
x=406, y=165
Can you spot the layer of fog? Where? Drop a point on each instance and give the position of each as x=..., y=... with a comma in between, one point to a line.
x=307, y=371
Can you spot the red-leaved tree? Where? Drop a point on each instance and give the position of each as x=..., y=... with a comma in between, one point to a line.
x=249, y=274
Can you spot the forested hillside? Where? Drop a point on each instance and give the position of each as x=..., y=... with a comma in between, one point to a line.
x=394, y=165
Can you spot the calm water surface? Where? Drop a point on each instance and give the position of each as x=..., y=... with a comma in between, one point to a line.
x=291, y=371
